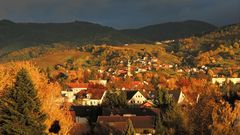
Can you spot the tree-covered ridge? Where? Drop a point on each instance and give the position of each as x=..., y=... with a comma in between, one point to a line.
x=21, y=35
x=219, y=47
x=171, y=30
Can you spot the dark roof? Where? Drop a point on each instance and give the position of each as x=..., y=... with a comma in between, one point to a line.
x=91, y=112
x=175, y=94
x=135, y=111
x=130, y=93
x=138, y=121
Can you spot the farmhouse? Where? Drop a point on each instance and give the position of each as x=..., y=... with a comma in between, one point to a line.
x=93, y=97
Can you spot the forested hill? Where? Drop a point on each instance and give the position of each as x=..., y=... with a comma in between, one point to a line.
x=171, y=30
x=21, y=35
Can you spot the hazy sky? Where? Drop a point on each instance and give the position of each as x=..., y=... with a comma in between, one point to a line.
x=121, y=13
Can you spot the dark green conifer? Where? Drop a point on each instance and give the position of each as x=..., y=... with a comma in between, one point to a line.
x=20, y=108
x=159, y=127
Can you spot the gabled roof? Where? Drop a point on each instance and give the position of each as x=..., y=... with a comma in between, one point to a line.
x=138, y=121
x=132, y=85
x=130, y=94
x=93, y=93
x=147, y=104
x=175, y=94
x=120, y=126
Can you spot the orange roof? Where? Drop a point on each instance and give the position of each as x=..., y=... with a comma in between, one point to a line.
x=95, y=93
x=133, y=85
x=77, y=85
x=147, y=104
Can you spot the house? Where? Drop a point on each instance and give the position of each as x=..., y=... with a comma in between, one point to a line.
x=177, y=95
x=73, y=89
x=154, y=60
x=222, y=80
x=135, y=97
x=143, y=125
x=102, y=82
x=77, y=87
x=69, y=95
x=93, y=97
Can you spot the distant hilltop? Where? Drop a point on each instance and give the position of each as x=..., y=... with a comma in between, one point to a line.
x=20, y=35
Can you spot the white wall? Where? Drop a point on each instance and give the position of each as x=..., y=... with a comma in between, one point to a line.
x=138, y=98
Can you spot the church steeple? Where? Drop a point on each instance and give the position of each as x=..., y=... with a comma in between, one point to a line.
x=129, y=69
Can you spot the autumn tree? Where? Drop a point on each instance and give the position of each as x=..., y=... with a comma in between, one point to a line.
x=200, y=114
x=20, y=108
x=48, y=93
x=230, y=92
x=226, y=119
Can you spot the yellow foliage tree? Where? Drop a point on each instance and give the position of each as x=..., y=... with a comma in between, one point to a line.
x=48, y=93
x=226, y=119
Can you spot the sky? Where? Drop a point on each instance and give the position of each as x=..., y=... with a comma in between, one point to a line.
x=121, y=13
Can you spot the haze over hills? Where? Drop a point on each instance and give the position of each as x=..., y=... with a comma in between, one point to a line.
x=21, y=35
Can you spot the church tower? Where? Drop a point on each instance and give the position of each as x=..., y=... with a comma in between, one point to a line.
x=129, y=69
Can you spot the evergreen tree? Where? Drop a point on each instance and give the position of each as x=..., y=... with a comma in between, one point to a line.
x=163, y=100
x=115, y=99
x=170, y=119
x=159, y=128
x=20, y=108
x=130, y=128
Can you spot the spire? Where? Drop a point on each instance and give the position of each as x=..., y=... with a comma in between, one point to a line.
x=129, y=69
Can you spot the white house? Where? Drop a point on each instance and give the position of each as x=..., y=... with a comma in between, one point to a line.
x=91, y=97
x=135, y=97
x=222, y=80
x=73, y=89
x=102, y=82
x=69, y=95
x=77, y=87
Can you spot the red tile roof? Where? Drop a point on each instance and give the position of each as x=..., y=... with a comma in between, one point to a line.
x=94, y=93
x=133, y=85
x=77, y=85
x=147, y=104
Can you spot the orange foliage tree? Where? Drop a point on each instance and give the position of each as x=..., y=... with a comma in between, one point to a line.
x=226, y=119
x=48, y=93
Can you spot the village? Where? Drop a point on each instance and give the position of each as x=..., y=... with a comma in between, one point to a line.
x=87, y=98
